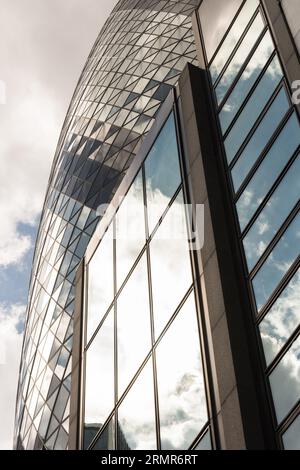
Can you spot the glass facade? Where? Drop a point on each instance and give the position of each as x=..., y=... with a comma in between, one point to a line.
x=143, y=365
x=137, y=58
x=261, y=135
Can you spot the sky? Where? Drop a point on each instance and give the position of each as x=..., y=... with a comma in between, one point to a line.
x=43, y=48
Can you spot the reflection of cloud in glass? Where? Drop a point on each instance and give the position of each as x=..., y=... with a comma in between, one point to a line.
x=285, y=382
x=282, y=320
x=136, y=415
x=182, y=403
x=290, y=438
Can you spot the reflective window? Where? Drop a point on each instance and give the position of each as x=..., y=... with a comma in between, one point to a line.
x=170, y=265
x=182, y=404
x=205, y=443
x=290, y=438
x=268, y=171
x=136, y=415
x=218, y=15
x=134, y=334
x=99, y=378
x=277, y=264
x=273, y=215
x=100, y=283
x=232, y=38
x=238, y=59
x=282, y=320
x=285, y=382
x=107, y=439
x=162, y=172
x=260, y=138
x=253, y=108
x=245, y=83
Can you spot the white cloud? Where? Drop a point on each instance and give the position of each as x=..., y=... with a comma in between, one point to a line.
x=11, y=343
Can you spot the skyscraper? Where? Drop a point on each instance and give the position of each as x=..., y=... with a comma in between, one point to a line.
x=137, y=58
x=174, y=348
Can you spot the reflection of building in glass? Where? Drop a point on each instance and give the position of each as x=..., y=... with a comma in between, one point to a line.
x=173, y=348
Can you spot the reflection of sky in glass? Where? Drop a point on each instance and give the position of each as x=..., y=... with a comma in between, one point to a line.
x=100, y=283
x=285, y=381
x=269, y=170
x=246, y=81
x=253, y=108
x=130, y=229
x=291, y=439
x=282, y=320
x=205, y=443
x=170, y=269
x=136, y=415
x=238, y=59
x=134, y=338
x=162, y=172
x=99, y=375
x=278, y=263
x=260, y=138
x=273, y=215
x=217, y=14
x=182, y=403
x=232, y=38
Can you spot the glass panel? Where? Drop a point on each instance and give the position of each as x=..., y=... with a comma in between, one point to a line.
x=232, y=38
x=181, y=392
x=136, y=415
x=278, y=263
x=277, y=209
x=285, y=382
x=282, y=320
x=260, y=138
x=134, y=333
x=162, y=172
x=290, y=438
x=245, y=83
x=215, y=17
x=99, y=378
x=253, y=108
x=170, y=265
x=130, y=229
x=100, y=283
x=205, y=443
x=239, y=57
x=268, y=171
x=107, y=439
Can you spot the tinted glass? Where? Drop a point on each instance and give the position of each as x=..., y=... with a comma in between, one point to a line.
x=238, y=59
x=136, y=415
x=291, y=439
x=170, y=265
x=100, y=283
x=130, y=229
x=134, y=339
x=99, y=378
x=285, y=382
x=232, y=38
x=253, y=108
x=277, y=264
x=162, y=172
x=216, y=16
x=260, y=138
x=246, y=81
x=181, y=392
x=273, y=215
x=268, y=171
x=282, y=320
x=205, y=443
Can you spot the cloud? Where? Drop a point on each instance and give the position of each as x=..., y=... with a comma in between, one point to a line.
x=11, y=342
